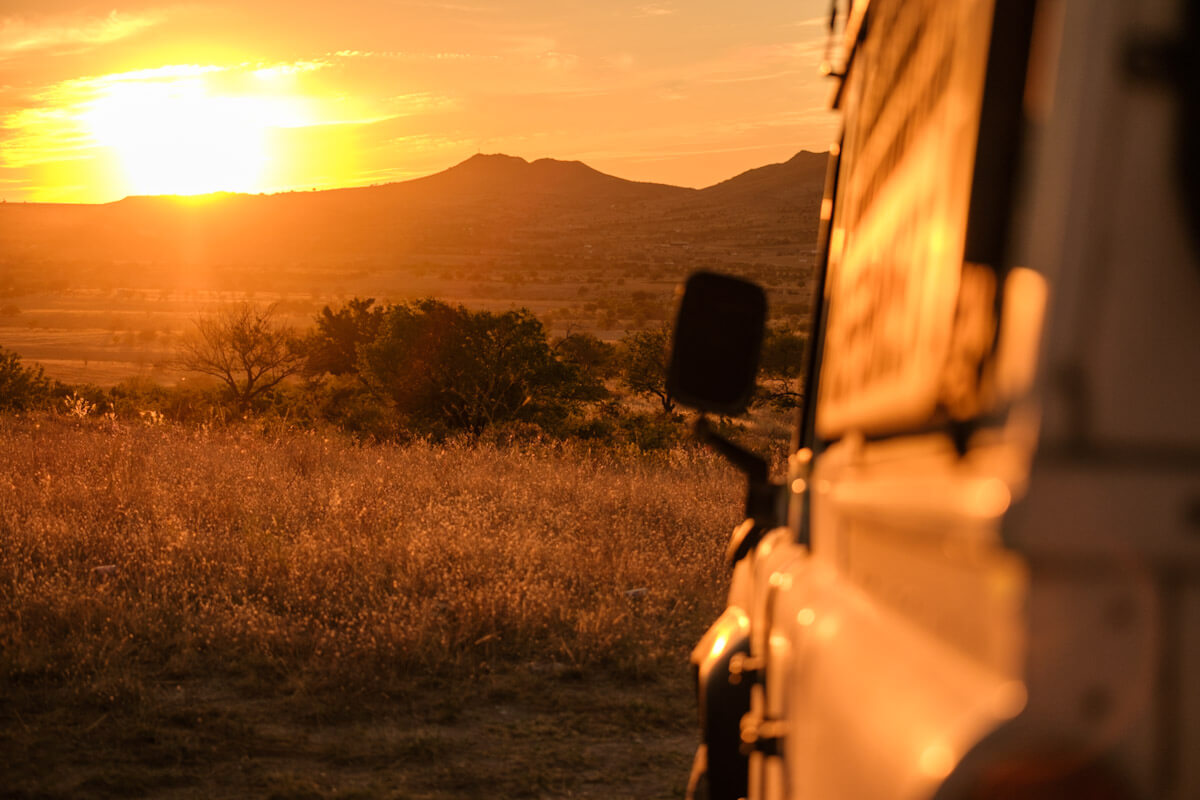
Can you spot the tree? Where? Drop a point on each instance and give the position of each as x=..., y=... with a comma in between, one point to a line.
x=781, y=367
x=644, y=359
x=21, y=387
x=244, y=348
x=333, y=345
x=594, y=358
x=445, y=365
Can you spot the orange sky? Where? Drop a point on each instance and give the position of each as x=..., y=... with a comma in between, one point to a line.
x=98, y=101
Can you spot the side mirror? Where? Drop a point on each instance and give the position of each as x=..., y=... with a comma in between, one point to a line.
x=718, y=336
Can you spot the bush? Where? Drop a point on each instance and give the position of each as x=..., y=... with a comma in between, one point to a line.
x=143, y=398
x=21, y=387
x=344, y=402
x=594, y=358
x=332, y=346
x=781, y=369
x=653, y=431
x=446, y=367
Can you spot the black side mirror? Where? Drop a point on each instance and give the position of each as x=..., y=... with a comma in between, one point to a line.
x=718, y=336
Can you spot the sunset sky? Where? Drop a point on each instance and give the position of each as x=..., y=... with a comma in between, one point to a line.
x=103, y=100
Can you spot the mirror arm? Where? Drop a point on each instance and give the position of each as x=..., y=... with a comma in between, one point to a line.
x=754, y=465
x=763, y=501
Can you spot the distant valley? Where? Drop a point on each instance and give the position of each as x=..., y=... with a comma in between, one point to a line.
x=87, y=287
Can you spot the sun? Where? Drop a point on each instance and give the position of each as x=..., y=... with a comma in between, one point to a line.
x=175, y=136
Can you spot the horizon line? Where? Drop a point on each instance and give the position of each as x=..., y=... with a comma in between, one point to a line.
x=200, y=197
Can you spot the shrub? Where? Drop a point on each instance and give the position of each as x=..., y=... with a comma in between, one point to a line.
x=332, y=346
x=22, y=387
x=444, y=366
x=143, y=398
x=344, y=402
x=652, y=431
x=781, y=369
x=595, y=358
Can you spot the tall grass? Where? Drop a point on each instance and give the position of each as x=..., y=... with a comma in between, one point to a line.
x=128, y=548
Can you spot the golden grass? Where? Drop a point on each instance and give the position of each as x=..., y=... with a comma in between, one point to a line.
x=299, y=615
x=310, y=559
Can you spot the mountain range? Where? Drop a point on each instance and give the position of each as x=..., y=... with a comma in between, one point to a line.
x=493, y=209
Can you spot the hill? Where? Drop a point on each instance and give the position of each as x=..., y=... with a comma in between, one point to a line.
x=495, y=210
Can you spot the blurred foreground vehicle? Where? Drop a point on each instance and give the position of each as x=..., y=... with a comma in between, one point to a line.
x=981, y=578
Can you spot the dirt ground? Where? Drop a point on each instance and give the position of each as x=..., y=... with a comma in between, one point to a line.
x=529, y=732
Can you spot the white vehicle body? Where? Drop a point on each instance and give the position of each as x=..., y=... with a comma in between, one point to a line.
x=989, y=584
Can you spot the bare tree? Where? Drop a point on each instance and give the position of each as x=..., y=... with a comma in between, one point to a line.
x=244, y=348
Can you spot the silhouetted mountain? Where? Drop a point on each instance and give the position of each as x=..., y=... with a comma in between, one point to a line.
x=500, y=175
x=795, y=180
x=495, y=209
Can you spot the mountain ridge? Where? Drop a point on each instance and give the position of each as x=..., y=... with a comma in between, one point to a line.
x=488, y=166
x=500, y=207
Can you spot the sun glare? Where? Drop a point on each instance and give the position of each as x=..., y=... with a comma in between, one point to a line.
x=176, y=136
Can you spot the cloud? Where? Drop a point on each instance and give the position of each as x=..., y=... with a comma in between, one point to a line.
x=674, y=92
x=556, y=61
x=653, y=10
x=335, y=112
x=556, y=92
x=50, y=125
x=413, y=103
x=290, y=70
x=167, y=72
x=813, y=22
x=38, y=135
x=622, y=61
x=19, y=36
x=761, y=62
x=461, y=8
x=57, y=122
x=763, y=76
x=409, y=56
x=528, y=45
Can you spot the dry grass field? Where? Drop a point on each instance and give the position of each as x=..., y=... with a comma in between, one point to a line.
x=260, y=612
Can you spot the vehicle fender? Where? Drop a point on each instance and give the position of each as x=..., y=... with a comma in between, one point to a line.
x=723, y=700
